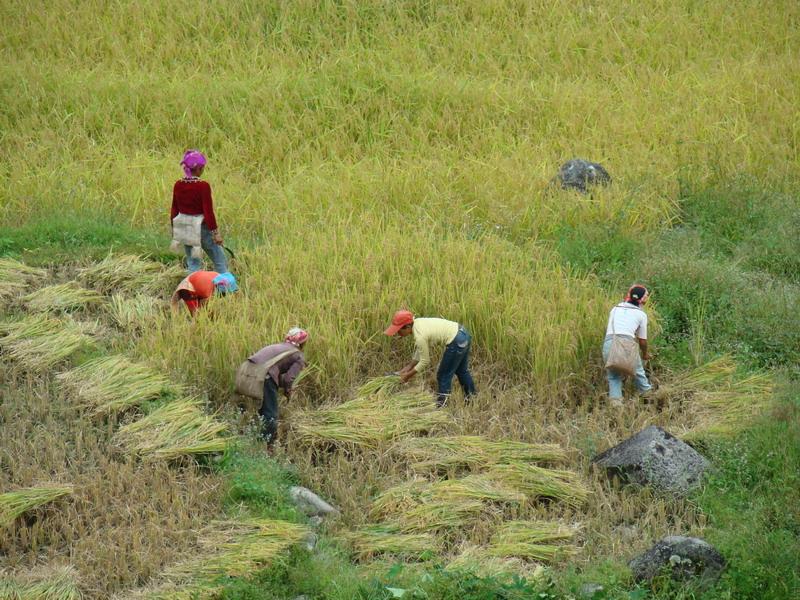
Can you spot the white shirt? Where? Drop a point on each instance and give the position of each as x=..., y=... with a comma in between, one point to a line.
x=629, y=319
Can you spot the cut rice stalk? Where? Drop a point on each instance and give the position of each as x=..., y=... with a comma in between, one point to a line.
x=13, y=504
x=64, y=297
x=40, y=341
x=478, y=561
x=131, y=314
x=387, y=383
x=131, y=275
x=370, y=421
x=531, y=540
x=16, y=277
x=171, y=591
x=113, y=383
x=370, y=540
x=177, y=429
x=237, y=548
x=474, y=452
x=538, y=482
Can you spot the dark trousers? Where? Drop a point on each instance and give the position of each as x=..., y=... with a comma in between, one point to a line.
x=269, y=411
x=455, y=361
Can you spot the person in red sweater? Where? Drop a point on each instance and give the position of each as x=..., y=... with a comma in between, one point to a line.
x=192, y=196
x=198, y=287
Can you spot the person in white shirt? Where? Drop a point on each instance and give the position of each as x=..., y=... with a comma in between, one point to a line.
x=627, y=318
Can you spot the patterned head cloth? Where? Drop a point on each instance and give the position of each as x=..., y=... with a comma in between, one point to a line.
x=296, y=336
x=191, y=160
x=637, y=295
x=225, y=283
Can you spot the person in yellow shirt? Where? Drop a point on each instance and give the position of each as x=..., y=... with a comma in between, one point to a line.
x=455, y=360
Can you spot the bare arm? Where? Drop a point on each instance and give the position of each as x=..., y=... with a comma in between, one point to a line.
x=643, y=348
x=408, y=371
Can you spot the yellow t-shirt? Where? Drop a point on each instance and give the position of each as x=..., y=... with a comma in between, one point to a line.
x=429, y=330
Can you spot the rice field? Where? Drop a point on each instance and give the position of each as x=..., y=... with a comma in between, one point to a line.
x=364, y=156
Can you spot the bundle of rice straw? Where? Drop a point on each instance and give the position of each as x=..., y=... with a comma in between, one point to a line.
x=16, y=277
x=171, y=591
x=478, y=561
x=370, y=420
x=473, y=452
x=724, y=402
x=531, y=540
x=387, y=383
x=370, y=540
x=426, y=499
x=53, y=584
x=113, y=383
x=176, y=429
x=13, y=504
x=63, y=297
x=131, y=314
x=538, y=482
x=40, y=341
x=130, y=274
x=238, y=548
x=727, y=411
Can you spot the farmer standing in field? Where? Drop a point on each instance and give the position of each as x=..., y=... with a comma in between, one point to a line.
x=196, y=224
x=283, y=362
x=198, y=287
x=455, y=360
x=627, y=322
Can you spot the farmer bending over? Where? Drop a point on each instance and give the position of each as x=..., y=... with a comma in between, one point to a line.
x=455, y=360
x=287, y=361
x=198, y=287
x=192, y=196
x=628, y=320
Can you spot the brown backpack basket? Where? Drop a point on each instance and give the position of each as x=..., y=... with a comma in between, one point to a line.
x=250, y=377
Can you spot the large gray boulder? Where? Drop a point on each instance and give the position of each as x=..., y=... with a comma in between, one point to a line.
x=683, y=558
x=579, y=174
x=654, y=457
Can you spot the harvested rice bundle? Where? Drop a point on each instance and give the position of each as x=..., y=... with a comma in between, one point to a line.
x=132, y=313
x=236, y=548
x=13, y=504
x=531, y=540
x=439, y=514
x=388, y=539
x=387, y=383
x=171, y=591
x=16, y=277
x=726, y=411
x=113, y=383
x=371, y=420
x=130, y=274
x=538, y=482
x=57, y=584
x=472, y=451
x=479, y=561
x=40, y=341
x=177, y=429
x=64, y=297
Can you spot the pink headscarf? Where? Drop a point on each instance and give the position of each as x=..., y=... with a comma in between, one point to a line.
x=191, y=160
x=296, y=336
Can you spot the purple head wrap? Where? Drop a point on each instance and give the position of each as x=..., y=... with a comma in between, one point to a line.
x=191, y=160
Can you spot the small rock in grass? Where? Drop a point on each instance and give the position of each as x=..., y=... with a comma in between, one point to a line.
x=579, y=174
x=310, y=503
x=590, y=590
x=683, y=558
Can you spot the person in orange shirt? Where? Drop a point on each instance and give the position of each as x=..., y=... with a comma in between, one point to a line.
x=198, y=287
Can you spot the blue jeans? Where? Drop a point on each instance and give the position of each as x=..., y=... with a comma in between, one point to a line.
x=213, y=250
x=455, y=361
x=615, y=379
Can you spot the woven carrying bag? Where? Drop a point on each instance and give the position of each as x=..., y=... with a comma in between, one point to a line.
x=623, y=356
x=250, y=376
x=186, y=229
